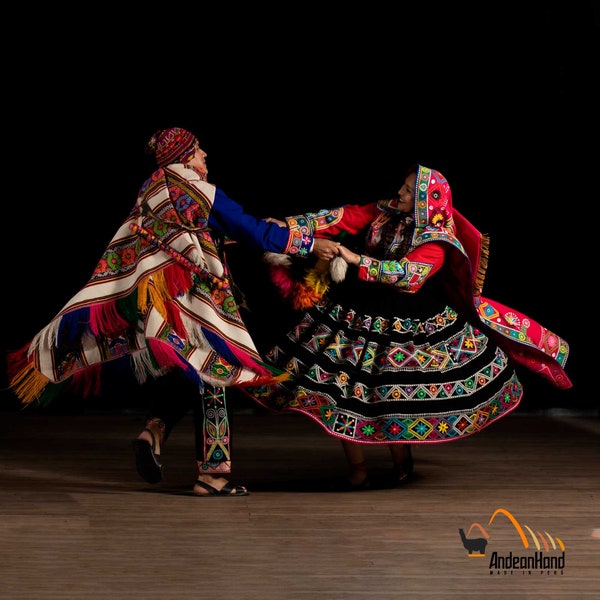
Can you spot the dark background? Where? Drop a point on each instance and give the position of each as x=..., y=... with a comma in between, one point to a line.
x=305, y=111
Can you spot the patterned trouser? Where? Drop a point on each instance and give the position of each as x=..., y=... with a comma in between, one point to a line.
x=211, y=422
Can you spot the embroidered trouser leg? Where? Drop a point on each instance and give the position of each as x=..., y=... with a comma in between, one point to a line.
x=212, y=431
x=172, y=397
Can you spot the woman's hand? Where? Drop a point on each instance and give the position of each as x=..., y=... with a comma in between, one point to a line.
x=350, y=257
x=328, y=250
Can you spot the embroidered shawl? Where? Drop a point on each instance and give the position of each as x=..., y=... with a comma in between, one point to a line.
x=160, y=297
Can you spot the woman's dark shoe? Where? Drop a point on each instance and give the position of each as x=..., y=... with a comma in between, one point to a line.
x=357, y=481
x=347, y=486
x=403, y=470
x=147, y=460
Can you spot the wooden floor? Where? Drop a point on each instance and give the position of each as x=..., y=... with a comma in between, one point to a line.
x=77, y=522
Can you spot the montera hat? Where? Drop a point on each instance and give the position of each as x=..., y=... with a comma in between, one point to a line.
x=171, y=145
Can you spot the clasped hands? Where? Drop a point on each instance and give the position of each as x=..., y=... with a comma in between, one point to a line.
x=326, y=249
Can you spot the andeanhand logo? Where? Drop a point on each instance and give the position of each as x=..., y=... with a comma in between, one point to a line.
x=545, y=553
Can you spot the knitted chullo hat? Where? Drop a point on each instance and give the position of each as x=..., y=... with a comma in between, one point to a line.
x=171, y=145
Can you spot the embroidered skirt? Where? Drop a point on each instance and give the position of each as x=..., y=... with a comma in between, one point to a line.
x=374, y=365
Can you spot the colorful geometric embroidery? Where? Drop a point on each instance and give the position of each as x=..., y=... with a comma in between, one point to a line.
x=433, y=428
x=217, y=450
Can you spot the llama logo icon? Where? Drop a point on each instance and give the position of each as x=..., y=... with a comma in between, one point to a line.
x=548, y=554
x=475, y=545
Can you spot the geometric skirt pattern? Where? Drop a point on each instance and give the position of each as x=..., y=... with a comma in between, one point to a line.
x=385, y=378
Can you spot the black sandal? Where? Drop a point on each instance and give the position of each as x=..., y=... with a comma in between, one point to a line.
x=227, y=490
x=147, y=462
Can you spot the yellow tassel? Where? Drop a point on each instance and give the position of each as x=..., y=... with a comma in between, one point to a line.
x=153, y=291
x=29, y=384
x=142, y=299
x=159, y=293
x=160, y=284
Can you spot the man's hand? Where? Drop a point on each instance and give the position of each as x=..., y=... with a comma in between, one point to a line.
x=272, y=220
x=325, y=249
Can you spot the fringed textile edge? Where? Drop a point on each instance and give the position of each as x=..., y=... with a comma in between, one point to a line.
x=231, y=353
x=28, y=384
x=88, y=381
x=276, y=373
x=482, y=265
x=17, y=361
x=264, y=380
x=159, y=289
x=105, y=318
x=166, y=356
x=159, y=293
x=143, y=298
x=143, y=364
x=193, y=331
x=178, y=279
x=127, y=306
x=48, y=336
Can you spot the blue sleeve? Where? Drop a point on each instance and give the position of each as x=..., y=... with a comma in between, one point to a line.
x=228, y=217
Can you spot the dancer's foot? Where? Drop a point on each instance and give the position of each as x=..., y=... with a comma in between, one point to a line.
x=403, y=463
x=206, y=485
x=358, y=478
x=356, y=481
x=147, y=451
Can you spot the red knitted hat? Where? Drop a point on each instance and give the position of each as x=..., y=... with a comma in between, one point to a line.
x=171, y=145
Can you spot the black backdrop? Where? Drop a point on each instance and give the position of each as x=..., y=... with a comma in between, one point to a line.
x=304, y=112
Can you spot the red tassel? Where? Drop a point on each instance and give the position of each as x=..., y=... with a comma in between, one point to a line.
x=174, y=319
x=178, y=279
x=248, y=362
x=165, y=355
x=88, y=381
x=17, y=361
x=106, y=319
